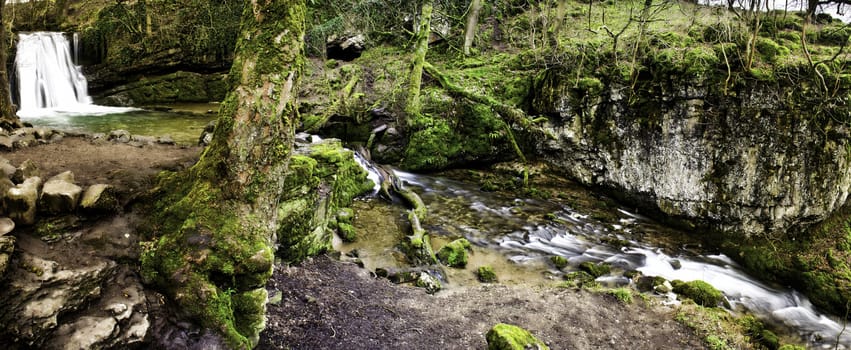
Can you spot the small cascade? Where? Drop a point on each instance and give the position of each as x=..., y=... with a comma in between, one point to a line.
x=49, y=81
x=47, y=75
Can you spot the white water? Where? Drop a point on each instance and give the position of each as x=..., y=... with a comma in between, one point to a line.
x=516, y=227
x=779, y=305
x=51, y=84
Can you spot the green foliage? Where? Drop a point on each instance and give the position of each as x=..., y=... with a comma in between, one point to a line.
x=700, y=292
x=203, y=31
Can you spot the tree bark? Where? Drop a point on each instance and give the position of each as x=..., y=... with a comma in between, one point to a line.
x=219, y=220
x=472, y=24
x=413, y=106
x=8, y=119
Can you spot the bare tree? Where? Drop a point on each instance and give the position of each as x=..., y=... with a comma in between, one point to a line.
x=472, y=24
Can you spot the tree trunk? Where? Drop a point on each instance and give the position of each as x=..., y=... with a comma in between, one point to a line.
x=413, y=106
x=8, y=119
x=218, y=221
x=472, y=24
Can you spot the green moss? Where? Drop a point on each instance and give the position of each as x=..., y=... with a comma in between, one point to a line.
x=559, y=261
x=791, y=347
x=454, y=254
x=595, y=270
x=623, y=295
x=700, y=292
x=578, y=279
x=486, y=274
x=347, y=232
x=770, y=51
x=509, y=337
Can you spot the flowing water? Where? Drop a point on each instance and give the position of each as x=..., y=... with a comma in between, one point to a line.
x=518, y=236
x=53, y=93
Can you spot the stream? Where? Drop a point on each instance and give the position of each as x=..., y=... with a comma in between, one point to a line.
x=517, y=236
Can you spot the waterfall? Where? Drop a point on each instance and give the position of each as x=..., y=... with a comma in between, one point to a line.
x=49, y=81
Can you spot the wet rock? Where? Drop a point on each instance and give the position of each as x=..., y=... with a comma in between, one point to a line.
x=23, y=137
x=509, y=337
x=430, y=283
x=99, y=199
x=663, y=288
x=120, y=136
x=165, y=140
x=40, y=290
x=60, y=194
x=20, y=201
x=207, y=135
x=26, y=170
x=454, y=254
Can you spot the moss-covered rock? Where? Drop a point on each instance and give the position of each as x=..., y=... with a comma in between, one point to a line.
x=454, y=254
x=509, y=337
x=486, y=274
x=594, y=269
x=559, y=261
x=700, y=292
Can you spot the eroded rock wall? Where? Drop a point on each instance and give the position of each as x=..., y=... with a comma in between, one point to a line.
x=753, y=159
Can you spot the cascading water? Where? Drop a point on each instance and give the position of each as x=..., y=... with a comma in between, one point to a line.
x=49, y=81
x=517, y=228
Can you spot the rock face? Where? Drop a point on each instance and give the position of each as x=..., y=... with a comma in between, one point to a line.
x=748, y=161
x=39, y=291
x=99, y=198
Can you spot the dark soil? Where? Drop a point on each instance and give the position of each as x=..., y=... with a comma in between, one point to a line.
x=328, y=304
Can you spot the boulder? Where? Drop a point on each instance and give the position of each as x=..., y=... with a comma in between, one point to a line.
x=509, y=337
x=121, y=136
x=60, y=194
x=20, y=201
x=6, y=168
x=100, y=198
x=454, y=254
x=26, y=170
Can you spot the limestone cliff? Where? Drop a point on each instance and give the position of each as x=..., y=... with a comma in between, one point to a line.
x=746, y=161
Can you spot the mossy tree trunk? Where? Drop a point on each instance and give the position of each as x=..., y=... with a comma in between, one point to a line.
x=8, y=119
x=413, y=106
x=218, y=221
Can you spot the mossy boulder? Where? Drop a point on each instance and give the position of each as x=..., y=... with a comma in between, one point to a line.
x=509, y=337
x=559, y=261
x=346, y=232
x=700, y=292
x=594, y=269
x=454, y=254
x=486, y=274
